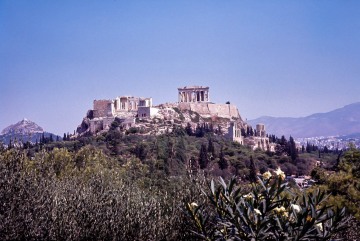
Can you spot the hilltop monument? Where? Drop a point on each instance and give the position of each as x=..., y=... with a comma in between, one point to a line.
x=194, y=94
x=193, y=107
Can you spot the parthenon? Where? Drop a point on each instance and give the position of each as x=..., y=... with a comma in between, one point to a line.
x=194, y=94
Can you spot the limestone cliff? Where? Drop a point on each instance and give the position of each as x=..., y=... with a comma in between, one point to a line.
x=212, y=110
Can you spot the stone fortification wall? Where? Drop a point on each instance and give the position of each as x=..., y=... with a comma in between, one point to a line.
x=210, y=109
x=101, y=108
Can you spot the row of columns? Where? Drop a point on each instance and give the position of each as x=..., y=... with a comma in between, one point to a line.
x=194, y=96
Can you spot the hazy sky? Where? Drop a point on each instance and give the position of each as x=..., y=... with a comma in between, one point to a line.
x=278, y=58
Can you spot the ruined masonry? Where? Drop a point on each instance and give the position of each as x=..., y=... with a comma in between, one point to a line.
x=191, y=99
x=127, y=108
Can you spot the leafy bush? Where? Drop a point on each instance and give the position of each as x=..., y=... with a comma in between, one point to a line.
x=268, y=212
x=60, y=195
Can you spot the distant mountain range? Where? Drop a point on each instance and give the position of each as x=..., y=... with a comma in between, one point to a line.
x=342, y=121
x=23, y=131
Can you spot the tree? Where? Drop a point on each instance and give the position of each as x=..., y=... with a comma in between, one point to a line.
x=140, y=151
x=199, y=132
x=243, y=132
x=292, y=150
x=308, y=147
x=203, y=158
x=253, y=171
x=251, y=131
x=268, y=212
x=10, y=145
x=180, y=150
x=189, y=129
x=326, y=149
x=219, y=131
x=211, y=147
x=222, y=161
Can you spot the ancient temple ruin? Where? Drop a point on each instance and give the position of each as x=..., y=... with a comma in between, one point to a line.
x=126, y=108
x=193, y=94
x=234, y=133
x=193, y=101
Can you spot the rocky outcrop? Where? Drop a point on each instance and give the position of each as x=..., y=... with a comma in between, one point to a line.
x=24, y=126
x=23, y=131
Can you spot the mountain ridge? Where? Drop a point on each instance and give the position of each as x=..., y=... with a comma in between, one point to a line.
x=340, y=121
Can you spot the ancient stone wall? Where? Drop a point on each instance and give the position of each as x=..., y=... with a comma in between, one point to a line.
x=210, y=109
x=234, y=133
x=102, y=108
x=147, y=112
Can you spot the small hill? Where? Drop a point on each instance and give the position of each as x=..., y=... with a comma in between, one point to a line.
x=342, y=121
x=23, y=131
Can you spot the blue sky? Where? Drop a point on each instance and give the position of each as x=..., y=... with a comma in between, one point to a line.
x=277, y=58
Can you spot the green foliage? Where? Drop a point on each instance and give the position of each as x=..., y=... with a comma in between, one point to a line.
x=268, y=212
x=344, y=185
x=203, y=157
x=223, y=164
x=253, y=171
x=61, y=195
x=130, y=186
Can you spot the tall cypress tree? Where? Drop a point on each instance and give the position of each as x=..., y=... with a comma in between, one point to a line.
x=252, y=174
x=189, y=129
x=203, y=158
x=292, y=151
x=222, y=161
x=211, y=147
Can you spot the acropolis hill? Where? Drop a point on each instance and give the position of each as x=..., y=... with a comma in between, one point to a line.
x=192, y=108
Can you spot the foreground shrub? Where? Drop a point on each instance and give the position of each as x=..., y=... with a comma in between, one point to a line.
x=53, y=197
x=268, y=212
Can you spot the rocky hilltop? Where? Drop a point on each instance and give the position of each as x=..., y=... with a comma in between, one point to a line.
x=23, y=127
x=193, y=110
x=167, y=116
x=23, y=131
